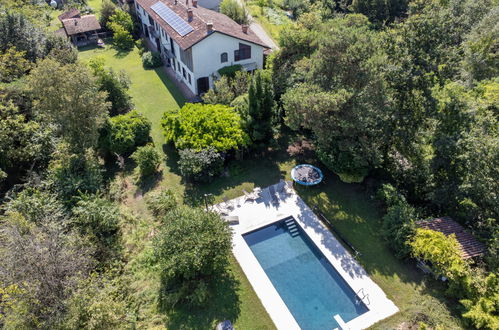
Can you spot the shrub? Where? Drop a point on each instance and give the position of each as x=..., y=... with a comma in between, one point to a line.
x=161, y=202
x=202, y=126
x=200, y=166
x=124, y=133
x=98, y=219
x=151, y=60
x=141, y=46
x=398, y=227
x=230, y=71
x=190, y=266
x=147, y=159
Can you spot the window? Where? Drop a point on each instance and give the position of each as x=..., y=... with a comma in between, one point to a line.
x=151, y=21
x=184, y=73
x=224, y=57
x=243, y=53
x=186, y=57
x=189, y=76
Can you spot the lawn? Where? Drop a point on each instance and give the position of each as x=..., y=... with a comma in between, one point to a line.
x=349, y=208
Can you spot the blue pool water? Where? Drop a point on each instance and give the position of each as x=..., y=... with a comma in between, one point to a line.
x=308, y=284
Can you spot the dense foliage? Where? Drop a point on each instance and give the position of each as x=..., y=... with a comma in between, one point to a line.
x=161, y=202
x=124, y=133
x=190, y=266
x=198, y=127
x=200, y=166
x=122, y=25
x=151, y=60
x=147, y=160
x=116, y=86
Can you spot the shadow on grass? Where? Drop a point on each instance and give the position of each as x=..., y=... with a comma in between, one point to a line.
x=172, y=88
x=148, y=183
x=223, y=304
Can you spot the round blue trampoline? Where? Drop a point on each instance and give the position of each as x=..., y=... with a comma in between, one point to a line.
x=306, y=174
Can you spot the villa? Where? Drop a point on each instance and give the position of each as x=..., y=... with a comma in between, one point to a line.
x=197, y=42
x=81, y=30
x=303, y=275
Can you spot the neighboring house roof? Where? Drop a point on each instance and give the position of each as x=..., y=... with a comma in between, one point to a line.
x=80, y=24
x=201, y=16
x=470, y=246
x=69, y=14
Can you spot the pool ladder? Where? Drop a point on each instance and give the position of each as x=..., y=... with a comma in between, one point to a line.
x=292, y=227
x=364, y=296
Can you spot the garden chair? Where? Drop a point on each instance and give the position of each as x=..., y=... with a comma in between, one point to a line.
x=250, y=196
x=227, y=204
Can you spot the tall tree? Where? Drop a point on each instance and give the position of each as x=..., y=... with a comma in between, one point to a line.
x=68, y=97
x=261, y=107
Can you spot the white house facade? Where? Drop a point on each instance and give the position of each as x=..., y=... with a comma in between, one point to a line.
x=196, y=42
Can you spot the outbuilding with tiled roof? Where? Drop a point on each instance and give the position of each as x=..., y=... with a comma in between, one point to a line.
x=469, y=245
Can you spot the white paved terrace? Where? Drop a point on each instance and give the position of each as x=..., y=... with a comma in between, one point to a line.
x=253, y=215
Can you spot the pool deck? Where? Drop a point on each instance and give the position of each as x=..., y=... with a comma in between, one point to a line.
x=255, y=214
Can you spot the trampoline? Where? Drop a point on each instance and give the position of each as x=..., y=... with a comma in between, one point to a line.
x=306, y=174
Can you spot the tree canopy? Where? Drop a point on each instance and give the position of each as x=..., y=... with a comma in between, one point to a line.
x=198, y=127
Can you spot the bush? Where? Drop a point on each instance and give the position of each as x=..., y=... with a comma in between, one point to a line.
x=200, y=166
x=141, y=46
x=398, y=227
x=98, y=219
x=230, y=71
x=151, y=60
x=124, y=133
x=147, y=159
x=161, y=202
x=203, y=126
x=190, y=266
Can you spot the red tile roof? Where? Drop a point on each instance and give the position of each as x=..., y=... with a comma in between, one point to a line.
x=201, y=16
x=81, y=24
x=470, y=246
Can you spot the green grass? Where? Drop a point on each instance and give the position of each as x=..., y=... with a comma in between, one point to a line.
x=269, y=23
x=350, y=210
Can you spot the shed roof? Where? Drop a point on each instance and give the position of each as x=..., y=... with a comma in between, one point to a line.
x=469, y=245
x=81, y=24
x=69, y=14
x=201, y=16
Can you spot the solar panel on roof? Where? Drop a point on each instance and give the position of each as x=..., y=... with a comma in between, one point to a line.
x=170, y=17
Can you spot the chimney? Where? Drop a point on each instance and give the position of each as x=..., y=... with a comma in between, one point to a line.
x=190, y=16
x=209, y=27
x=195, y=3
x=244, y=27
x=186, y=3
x=175, y=1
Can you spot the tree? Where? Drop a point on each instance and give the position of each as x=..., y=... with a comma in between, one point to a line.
x=23, y=143
x=45, y=262
x=121, y=24
x=260, y=108
x=108, y=9
x=68, y=97
x=121, y=37
x=13, y=65
x=235, y=11
x=226, y=89
x=380, y=11
x=480, y=49
x=189, y=266
x=200, y=166
x=198, y=127
x=342, y=100
x=147, y=160
x=115, y=84
x=124, y=133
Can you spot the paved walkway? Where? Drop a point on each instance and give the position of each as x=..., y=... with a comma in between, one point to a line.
x=259, y=31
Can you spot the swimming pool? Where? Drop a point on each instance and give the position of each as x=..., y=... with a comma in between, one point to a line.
x=308, y=284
